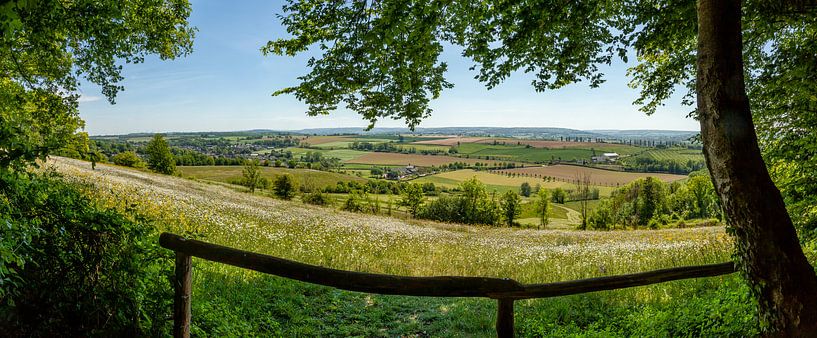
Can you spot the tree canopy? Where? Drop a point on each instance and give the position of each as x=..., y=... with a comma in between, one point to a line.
x=47, y=48
x=382, y=58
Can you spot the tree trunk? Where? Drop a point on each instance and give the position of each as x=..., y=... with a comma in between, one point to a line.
x=769, y=251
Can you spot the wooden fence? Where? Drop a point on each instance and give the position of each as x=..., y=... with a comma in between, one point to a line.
x=504, y=290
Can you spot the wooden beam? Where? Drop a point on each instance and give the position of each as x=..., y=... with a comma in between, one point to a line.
x=504, y=318
x=441, y=286
x=618, y=281
x=181, y=301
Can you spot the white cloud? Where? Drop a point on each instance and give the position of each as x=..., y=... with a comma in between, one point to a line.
x=88, y=98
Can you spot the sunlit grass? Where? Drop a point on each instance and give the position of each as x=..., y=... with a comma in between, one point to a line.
x=332, y=238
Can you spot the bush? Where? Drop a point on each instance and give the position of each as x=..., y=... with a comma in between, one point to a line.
x=284, y=186
x=315, y=197
x=128, y=159
x=79, y=269
x=355, y=202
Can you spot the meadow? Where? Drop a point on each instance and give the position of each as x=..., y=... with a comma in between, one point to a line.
x=231, y=301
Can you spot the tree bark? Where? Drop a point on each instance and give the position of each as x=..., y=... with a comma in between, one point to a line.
x=769, y=252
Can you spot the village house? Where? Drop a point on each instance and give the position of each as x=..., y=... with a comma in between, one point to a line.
x=605, y=158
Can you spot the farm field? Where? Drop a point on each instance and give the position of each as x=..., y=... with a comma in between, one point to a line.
x=411, y=159
x=342, y=154
x=229, y=174
x=451, y=141
x=316, y=140
x=597, y=176
x=677, y=154
x=421, y=147
x=622, y=149
x=522, y=153
x=229, y=300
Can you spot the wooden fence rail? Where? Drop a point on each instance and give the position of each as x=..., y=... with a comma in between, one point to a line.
x=504, y=290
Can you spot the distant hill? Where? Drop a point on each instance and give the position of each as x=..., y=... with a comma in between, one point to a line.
x=534, y=132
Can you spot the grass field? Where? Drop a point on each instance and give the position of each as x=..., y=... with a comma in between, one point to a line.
x=342, y=154
x=597, y=176
x=228, y=174
x=451, y=141
x=230, y=301
x=316, y=140
x=501, y=183
x=411, y=159
x=524, y=154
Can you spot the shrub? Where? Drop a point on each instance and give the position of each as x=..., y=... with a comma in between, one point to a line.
x=354, y=203
x=315, y=197
x=128, y=159
x=79, y=269
x=284, y=186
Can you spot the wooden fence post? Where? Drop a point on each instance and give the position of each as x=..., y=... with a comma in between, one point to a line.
x=181, y=299
x=504, y=318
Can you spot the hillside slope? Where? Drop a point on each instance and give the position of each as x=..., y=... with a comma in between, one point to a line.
x=332, y=238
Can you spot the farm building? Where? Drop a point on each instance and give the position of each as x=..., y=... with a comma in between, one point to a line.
x=400, y=173
x=605, y=158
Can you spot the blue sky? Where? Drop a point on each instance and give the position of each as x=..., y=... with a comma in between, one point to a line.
x=226, y=84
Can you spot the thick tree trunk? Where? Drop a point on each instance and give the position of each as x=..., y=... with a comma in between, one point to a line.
x=784, y=282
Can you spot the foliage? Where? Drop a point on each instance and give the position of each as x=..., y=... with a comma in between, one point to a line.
x=77, y=146
x=525, y=189
x=783, y=102
x=251, y=175
x=511, y=206
x=47, y=46
x=356, y=202
x=160, y=159
x=558, y=196
x=543, y=206
x=128, y=159
x=650, y=202
x=471, y=206
x=315, y=197
x=412, y=198
x=77, y=268
x=695, y=199
x=284, y=186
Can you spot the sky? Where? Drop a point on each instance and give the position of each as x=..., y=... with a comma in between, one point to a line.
x=226, y=85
